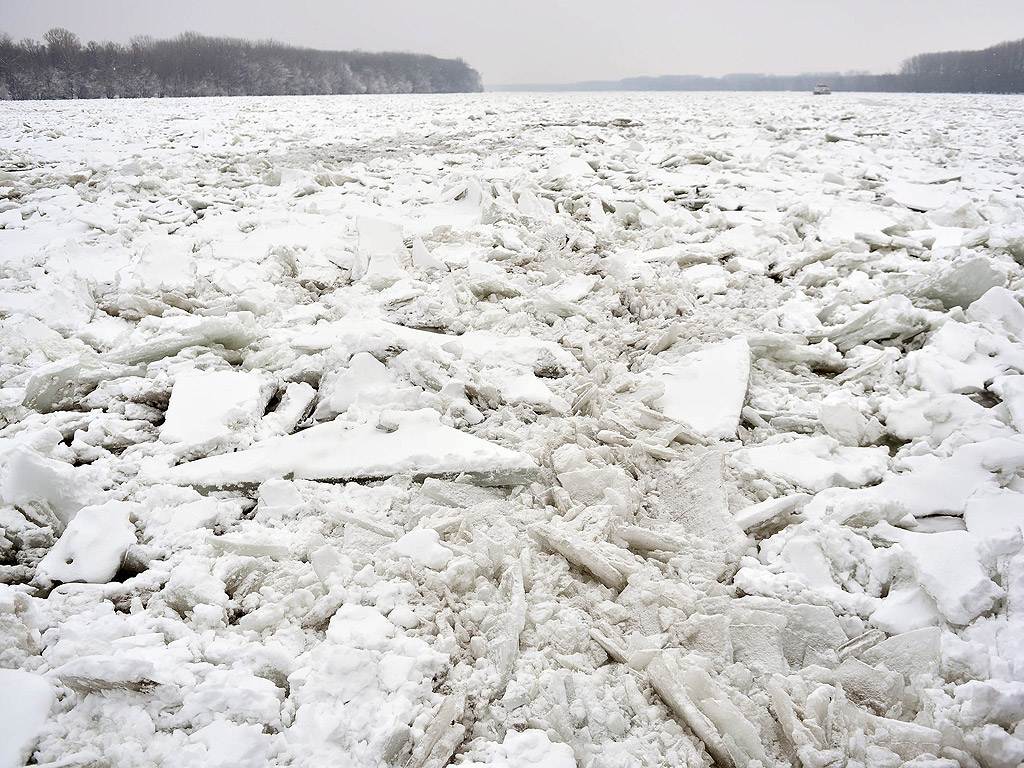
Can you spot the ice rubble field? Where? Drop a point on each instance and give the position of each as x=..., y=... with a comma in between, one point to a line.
x=512, y=430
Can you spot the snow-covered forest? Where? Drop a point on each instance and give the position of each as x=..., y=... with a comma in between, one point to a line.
x=61, y=67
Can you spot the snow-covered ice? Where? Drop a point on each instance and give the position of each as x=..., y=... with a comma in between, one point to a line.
x=513, y=430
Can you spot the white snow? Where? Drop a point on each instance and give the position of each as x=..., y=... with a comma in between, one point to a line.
x=706, y=389
x=413, y=442
x=212, y=406
x=24, y=709
x=421, y=545
x=818, y=463
x=92, y=547
x=947, y=565
x=609, y=430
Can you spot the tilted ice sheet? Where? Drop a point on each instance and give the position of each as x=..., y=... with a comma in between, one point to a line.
x=413, y=443
x=706, y=389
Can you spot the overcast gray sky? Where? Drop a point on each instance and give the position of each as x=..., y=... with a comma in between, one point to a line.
x=556, y=41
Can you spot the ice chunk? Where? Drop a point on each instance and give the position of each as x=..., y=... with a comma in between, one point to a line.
x=907, y=740
x=695, y=497
x=929, y=414
x=570, y=168
x=843, y=418
x=459, y=494
x=708, y=279
x=52, y=386
x=948, y=566
x=817, y=463
x=808, y=742
x=545, y=357
x=92, y=673
x=359, y=626
x=771, y=513
x=379, y=236
x=504, y=628
x=587, y=486
x=295, y=404
x=703, y=704
x=164, y=265
x=963, y=358
x=907, y=607
x=706, y=389
x=214, y=405
x=1000, y=311
x=995, y=512
x=413, y=443
x=846, y=220
x=232, y=332
x=605, y=562
x=379, y=244
x=1011, y=390
x=527, y=389
x=910, y=653
x=484, y=348
x=866, y=686
x=34, y=480
x=758, y=647
x=229, y=744
x=365, y=376
x=422, y=545
x=443, y=734
x=921, y=197
x=92, y=547
x=24, y=708
x=423, y=258
x=526, y=749
x=944, y=486
x=963, y=283
x=888, y=319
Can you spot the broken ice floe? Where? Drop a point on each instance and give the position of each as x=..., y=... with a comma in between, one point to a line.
x=817, y=463
x=413, y=443
x=208, y=408
x=801, y=545
x=706, y=389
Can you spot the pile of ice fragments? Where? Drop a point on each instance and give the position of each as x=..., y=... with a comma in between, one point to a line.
x=611, y=431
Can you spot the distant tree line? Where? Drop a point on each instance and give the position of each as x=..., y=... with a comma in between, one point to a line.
x=999, y=69
x=61, y=67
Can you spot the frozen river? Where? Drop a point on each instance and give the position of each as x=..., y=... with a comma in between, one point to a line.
x=611, y=430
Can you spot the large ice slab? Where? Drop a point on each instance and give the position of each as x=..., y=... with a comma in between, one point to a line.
x=706, y=389
x=948, y=566
x=56, y=487
x=213, y=405
x=963, y=283
x=921, y=197
x=178, y=333
x=817, y=463
x=414, y=443
x=998, y=310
